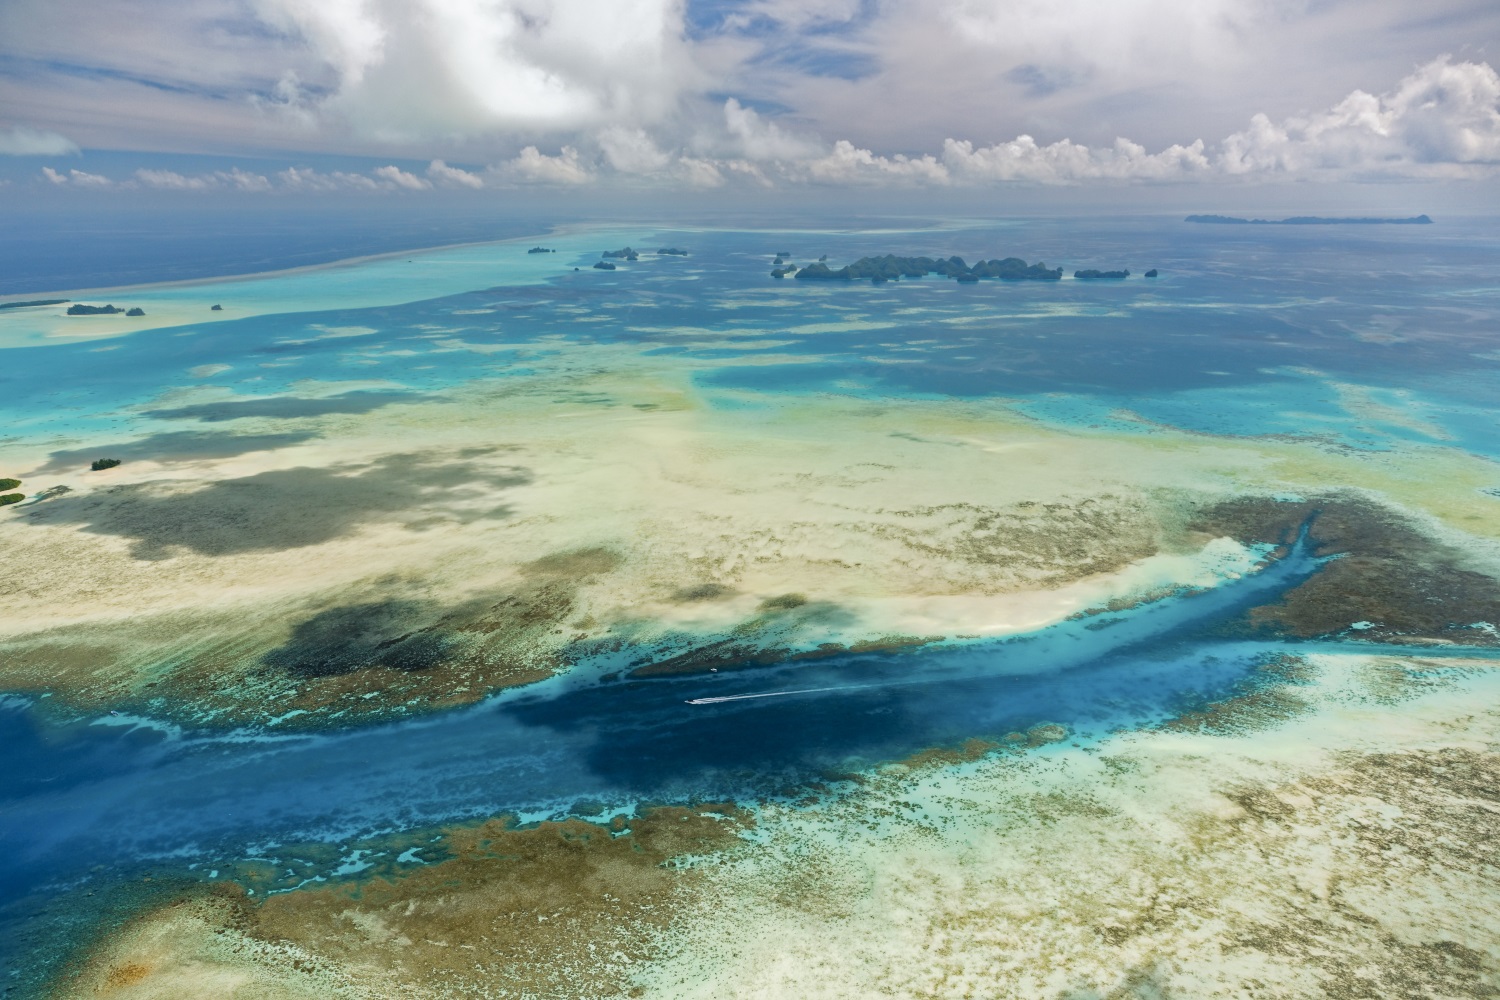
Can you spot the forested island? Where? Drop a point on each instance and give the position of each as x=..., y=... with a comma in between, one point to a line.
x=1308, y=220
x=626, y=254
x=82, y=310
x=671, y=252
x=1095, y=275
x=893, y=268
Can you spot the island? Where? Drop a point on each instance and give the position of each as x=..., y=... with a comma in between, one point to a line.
x=1308, y=220
x=672, y=252
x=216, y=308
x=82, y=310
x=32, y=302
x=540, y=250
x=892, y=268
x=626, y=254
x=1152, y=273
x=137, y=311
x=780, y=271
x=1092, y=274
x=602, y=265
x=100, y=464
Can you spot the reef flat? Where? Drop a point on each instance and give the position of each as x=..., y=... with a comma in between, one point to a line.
x=468, y=624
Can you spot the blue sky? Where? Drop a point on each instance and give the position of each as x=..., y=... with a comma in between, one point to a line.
x=261, y=96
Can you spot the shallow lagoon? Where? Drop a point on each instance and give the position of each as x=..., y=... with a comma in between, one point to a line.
x=1332, y=343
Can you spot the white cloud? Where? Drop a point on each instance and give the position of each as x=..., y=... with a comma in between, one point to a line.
x=77, y=178
x=1023, y=159
x=400, y=178
x=847, y=163
x=308, y=179
x=415, y=69
x=20, y=141
x=448, y=176
x=758, y=139
x=632, y=151
x=534, y=165
x=245, y=181
x=1442, y=120
x=699, y=173
x=170, y=181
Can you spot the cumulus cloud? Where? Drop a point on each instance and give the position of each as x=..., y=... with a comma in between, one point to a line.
x=1065, y=161
x=759, y=139
x=413, y=69
x=19, y=141
x=632, y=151
x=847, y=163
x=448, y=176
x=1442, y=120
x=534, y=165
x=397, y=177
x=76, y=178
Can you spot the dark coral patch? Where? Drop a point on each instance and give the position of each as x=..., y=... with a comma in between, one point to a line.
x=1390, y=581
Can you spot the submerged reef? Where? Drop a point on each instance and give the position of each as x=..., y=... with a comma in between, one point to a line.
x=79, y=309
x=1390, y=582
x=561, y=909
x=32, y=303
x=1309, y=220
x=893, y=268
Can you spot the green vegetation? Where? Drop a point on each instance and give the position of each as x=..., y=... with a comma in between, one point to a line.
x=100, y=464
x=672, y=252
x=540, y=250
x=626, y=254
x=893, y=268
x=82, y=310
x=215, y=308
x=1152, y=273
x=1093, y=275
x=10, y=498
x=602, y=265
x=9, y=484
x=137, y=311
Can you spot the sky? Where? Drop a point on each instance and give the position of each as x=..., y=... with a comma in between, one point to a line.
x=409, y=97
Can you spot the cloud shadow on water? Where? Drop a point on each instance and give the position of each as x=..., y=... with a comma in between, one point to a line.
x=183, y=446
x=287, y=508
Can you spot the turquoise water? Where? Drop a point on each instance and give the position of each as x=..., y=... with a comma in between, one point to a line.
x=1371, y=340
x=1243, y=334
